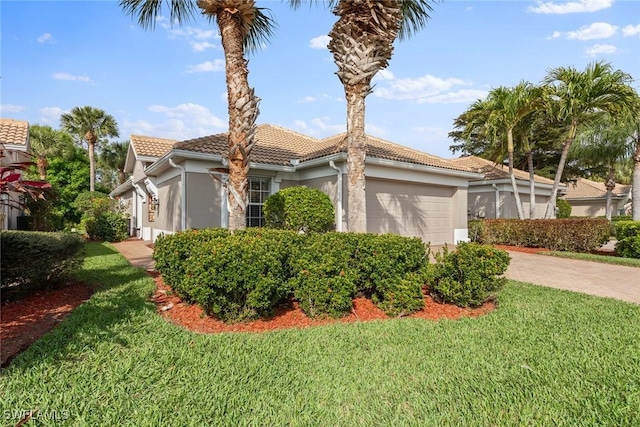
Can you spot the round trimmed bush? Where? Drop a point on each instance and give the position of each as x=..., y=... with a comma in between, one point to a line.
x=299, y=209
x=564, y=208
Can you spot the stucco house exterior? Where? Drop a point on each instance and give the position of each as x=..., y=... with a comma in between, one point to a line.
x=408, y=192
x=589, y=198
x=491, y=195
x=14, y=140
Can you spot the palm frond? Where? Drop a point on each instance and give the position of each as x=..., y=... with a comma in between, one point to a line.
x=148, y=11
x=415, y=15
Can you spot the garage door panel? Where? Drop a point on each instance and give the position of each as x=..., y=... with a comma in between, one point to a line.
x=410, y=210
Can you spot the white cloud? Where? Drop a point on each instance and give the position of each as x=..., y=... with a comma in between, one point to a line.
x=319, y=42
x=10, y=108
x=318, y=127
x=423, y=89
x=71, y=77
x=309, y=99
x=383, y=75
x=468, y=8
x=631, y=30
x=202, y=46
x=575, y=6
x=184, y=121
x=207, y=67
x=51, y=115
x=46, y=38
x=597, y=30
x=600, y=49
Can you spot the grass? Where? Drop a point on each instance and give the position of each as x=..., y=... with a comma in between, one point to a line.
x=629, y=262
x=545, y=357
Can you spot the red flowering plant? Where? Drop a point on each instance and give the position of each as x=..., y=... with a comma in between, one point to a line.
x=11, y=180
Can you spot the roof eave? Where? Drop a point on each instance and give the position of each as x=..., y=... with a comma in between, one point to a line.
x=122, y=188
x=421, y=168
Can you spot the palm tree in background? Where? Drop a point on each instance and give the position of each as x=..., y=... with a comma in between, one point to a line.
x=243, y=26
x=362, y=45
x=576, y=96
x=114, y=156
x=45, y=143
x=90, y=125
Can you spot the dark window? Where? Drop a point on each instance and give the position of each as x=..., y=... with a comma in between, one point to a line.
x=258, y=193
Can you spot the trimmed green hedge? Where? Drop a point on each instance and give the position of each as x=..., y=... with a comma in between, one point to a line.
x=245, y=274
x=471, y=275
x=628, y=236
x=299, y=209
x=36, y=260
x=575, y=235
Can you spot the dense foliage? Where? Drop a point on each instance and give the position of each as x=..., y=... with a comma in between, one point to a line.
x=628, y=236
x=470, y=275
x=35, y=260
x=245, y=274
x=102, y=218
x=575, y=235
x=299, y=209
x=564, y=209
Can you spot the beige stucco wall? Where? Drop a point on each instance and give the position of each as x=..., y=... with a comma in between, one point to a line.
x=587, y=207
x=167, y=216
x=203, y=201
x=138, y=172
x=485, y=203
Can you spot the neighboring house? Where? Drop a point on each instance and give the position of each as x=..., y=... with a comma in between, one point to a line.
x=491, y=195
x=589, y=198
x=409, y=192
x=14, y=139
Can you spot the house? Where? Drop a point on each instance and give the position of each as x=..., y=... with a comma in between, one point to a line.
x=589, y=198
x=491, y=195
x=409, y=192
x=14, y=139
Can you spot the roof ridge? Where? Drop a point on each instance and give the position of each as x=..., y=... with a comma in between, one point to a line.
x=287, y=130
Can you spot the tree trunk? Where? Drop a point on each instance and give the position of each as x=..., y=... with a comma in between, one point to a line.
x=42, y=164
x=91, y=146
x=551, y=206
x=243, y=112
x=514, y=186
x=356, y=154
x=610, y=185
x=635, y=188
x=532, y=186
x=122, y=176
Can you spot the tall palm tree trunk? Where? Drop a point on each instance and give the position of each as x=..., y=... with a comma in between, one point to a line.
x=243, y=112
x=91, y=145
x=356, y=153
x=551, y=206
x=532, y=186
x=610, y=185
x=635, y=188
x=42, y=164
x=514, y=185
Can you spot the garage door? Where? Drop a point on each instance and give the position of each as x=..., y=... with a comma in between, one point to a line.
x=410, y=210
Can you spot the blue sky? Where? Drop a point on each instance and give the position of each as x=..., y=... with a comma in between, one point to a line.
x=170, y=82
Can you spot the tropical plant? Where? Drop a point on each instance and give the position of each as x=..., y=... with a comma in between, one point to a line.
x=243, y=26
x=576, y=96
x=362, y=45
x=45, y=143
x=113, y=158
x=90, y=125
x=12, y=181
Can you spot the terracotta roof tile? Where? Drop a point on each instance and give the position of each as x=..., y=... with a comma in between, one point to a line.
x=492, y=171
x=15, y=132
x=587, y=189
x=276, y=145
x=151, y=147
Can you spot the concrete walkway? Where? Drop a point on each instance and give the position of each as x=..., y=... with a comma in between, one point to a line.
x=589, y=277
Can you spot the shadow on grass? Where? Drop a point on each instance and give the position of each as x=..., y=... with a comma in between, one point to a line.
x=108, y=317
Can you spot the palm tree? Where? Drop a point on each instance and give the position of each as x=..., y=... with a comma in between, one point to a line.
x=91, y=125
x=243, y=26
x=577, y=95
x=46, y=142
x=362, y=44
x=114, y=156
x=604, y=143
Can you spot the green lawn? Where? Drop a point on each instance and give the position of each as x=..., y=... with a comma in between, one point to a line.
x=545, y=357
x=630, y=262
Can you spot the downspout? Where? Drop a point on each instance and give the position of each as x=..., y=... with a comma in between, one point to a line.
x=333, y=166
x=497, y=200
x=183, y=194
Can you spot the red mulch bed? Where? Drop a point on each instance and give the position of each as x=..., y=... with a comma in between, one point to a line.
x=289, y=315
x=24, y=321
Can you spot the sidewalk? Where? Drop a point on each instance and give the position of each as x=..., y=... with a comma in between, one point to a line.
x=606, y=280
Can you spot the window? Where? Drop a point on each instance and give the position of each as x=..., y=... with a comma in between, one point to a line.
x=258, y=193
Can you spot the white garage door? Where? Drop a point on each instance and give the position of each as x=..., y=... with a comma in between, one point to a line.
x=410, y=210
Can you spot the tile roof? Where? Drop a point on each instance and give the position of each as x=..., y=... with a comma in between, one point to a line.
x=586, y=189
x=15, y=132
x=491, y=171
x=151, y=147
x=277, y=145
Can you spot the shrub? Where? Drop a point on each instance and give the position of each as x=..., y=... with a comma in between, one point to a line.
x=299, y=209
x=107, y=227
x=628, y=236
x=564, y=209
x=469, y=276
x=576, y=235
x=36, y=260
